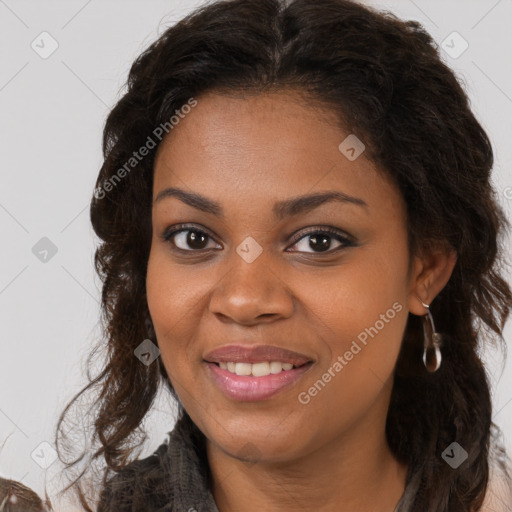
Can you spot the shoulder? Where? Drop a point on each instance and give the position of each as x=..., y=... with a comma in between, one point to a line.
x=498, y=497
x=133, y=487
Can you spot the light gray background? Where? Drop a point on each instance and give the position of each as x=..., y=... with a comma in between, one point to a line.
x=52, y=115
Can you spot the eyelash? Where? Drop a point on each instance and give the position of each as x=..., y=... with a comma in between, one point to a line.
x=335, y=233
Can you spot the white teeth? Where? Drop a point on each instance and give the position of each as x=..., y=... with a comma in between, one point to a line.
x=256, y=369
x=276, y=367
x=260, y=369
x=243, y=368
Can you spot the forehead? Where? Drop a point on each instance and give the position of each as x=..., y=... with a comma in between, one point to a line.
x=236, y=125
x=260, y=146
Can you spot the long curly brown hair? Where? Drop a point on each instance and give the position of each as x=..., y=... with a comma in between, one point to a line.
x=386, y=80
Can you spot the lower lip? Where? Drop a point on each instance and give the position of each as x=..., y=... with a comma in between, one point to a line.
x=250, y=389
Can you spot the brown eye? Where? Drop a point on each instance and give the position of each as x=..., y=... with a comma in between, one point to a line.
x=188, y=239
x=320, y=241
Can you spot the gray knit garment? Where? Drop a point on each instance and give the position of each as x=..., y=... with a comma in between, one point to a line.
x=175, y=479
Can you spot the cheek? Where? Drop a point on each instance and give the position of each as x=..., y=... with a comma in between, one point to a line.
x=176, y=301
x=354, y=296
x=161, y=291
x=359, y=312
x=169, y=300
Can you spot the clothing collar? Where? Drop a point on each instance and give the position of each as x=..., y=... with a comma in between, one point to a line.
x=187, y=473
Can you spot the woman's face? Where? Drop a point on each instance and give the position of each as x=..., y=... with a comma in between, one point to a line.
x=251, y=273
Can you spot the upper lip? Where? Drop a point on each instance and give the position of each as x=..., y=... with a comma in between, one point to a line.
x=255, y=354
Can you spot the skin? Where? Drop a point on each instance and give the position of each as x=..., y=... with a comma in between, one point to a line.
x=248, y=153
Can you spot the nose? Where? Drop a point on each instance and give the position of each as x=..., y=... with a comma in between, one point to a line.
x=251, y=293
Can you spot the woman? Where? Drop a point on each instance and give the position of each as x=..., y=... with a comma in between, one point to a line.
x=301, y=242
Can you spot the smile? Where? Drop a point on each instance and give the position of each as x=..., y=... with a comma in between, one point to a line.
x=256, y=381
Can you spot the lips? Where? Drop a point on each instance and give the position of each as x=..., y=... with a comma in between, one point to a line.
x=244, y=388
x=256, y=354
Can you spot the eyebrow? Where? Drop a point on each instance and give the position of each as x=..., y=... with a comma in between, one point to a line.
x=281, y=209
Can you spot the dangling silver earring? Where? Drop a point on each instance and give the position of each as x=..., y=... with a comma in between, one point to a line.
x=432, y=342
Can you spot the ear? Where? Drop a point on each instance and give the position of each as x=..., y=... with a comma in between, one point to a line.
x=430, y=271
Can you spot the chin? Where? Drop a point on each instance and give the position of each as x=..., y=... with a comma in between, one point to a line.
x=255, y=444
